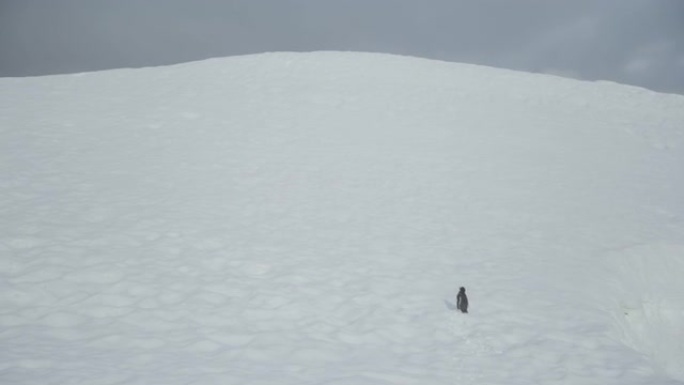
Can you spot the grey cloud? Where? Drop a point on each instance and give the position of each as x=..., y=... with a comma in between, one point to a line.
x=630, y=41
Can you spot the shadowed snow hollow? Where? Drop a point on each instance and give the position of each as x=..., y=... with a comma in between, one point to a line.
x=647, y=288
x=308, y=218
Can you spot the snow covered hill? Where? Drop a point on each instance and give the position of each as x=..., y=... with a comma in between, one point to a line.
x=308, y=218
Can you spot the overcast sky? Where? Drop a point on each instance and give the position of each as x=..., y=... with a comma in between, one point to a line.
x=637, y=42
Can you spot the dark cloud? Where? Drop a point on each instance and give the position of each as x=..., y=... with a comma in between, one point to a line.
x=630, y=41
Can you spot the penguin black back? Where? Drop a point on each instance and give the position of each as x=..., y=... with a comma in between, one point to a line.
x=462, y=300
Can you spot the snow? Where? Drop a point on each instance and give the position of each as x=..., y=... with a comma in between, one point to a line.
x=308, y=219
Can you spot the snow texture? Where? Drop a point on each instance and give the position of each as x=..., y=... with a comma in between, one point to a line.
x=308, y=219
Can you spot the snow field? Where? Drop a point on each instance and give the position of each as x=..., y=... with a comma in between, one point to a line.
x=308, y=219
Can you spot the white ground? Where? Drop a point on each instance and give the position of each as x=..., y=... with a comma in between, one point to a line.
x=308, y=218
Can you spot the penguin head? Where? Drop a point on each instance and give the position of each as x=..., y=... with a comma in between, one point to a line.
x=462, y=289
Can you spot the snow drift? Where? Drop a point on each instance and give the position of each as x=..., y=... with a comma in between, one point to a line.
x=649, y=302
x=308, y=218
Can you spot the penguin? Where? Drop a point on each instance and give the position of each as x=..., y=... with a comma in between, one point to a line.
x=462, y=300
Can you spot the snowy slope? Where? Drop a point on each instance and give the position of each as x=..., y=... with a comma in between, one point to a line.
x=308, y=218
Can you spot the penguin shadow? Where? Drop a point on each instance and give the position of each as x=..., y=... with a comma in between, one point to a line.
x=450, y=305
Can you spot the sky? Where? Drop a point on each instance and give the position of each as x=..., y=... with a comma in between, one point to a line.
x=639, y=42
